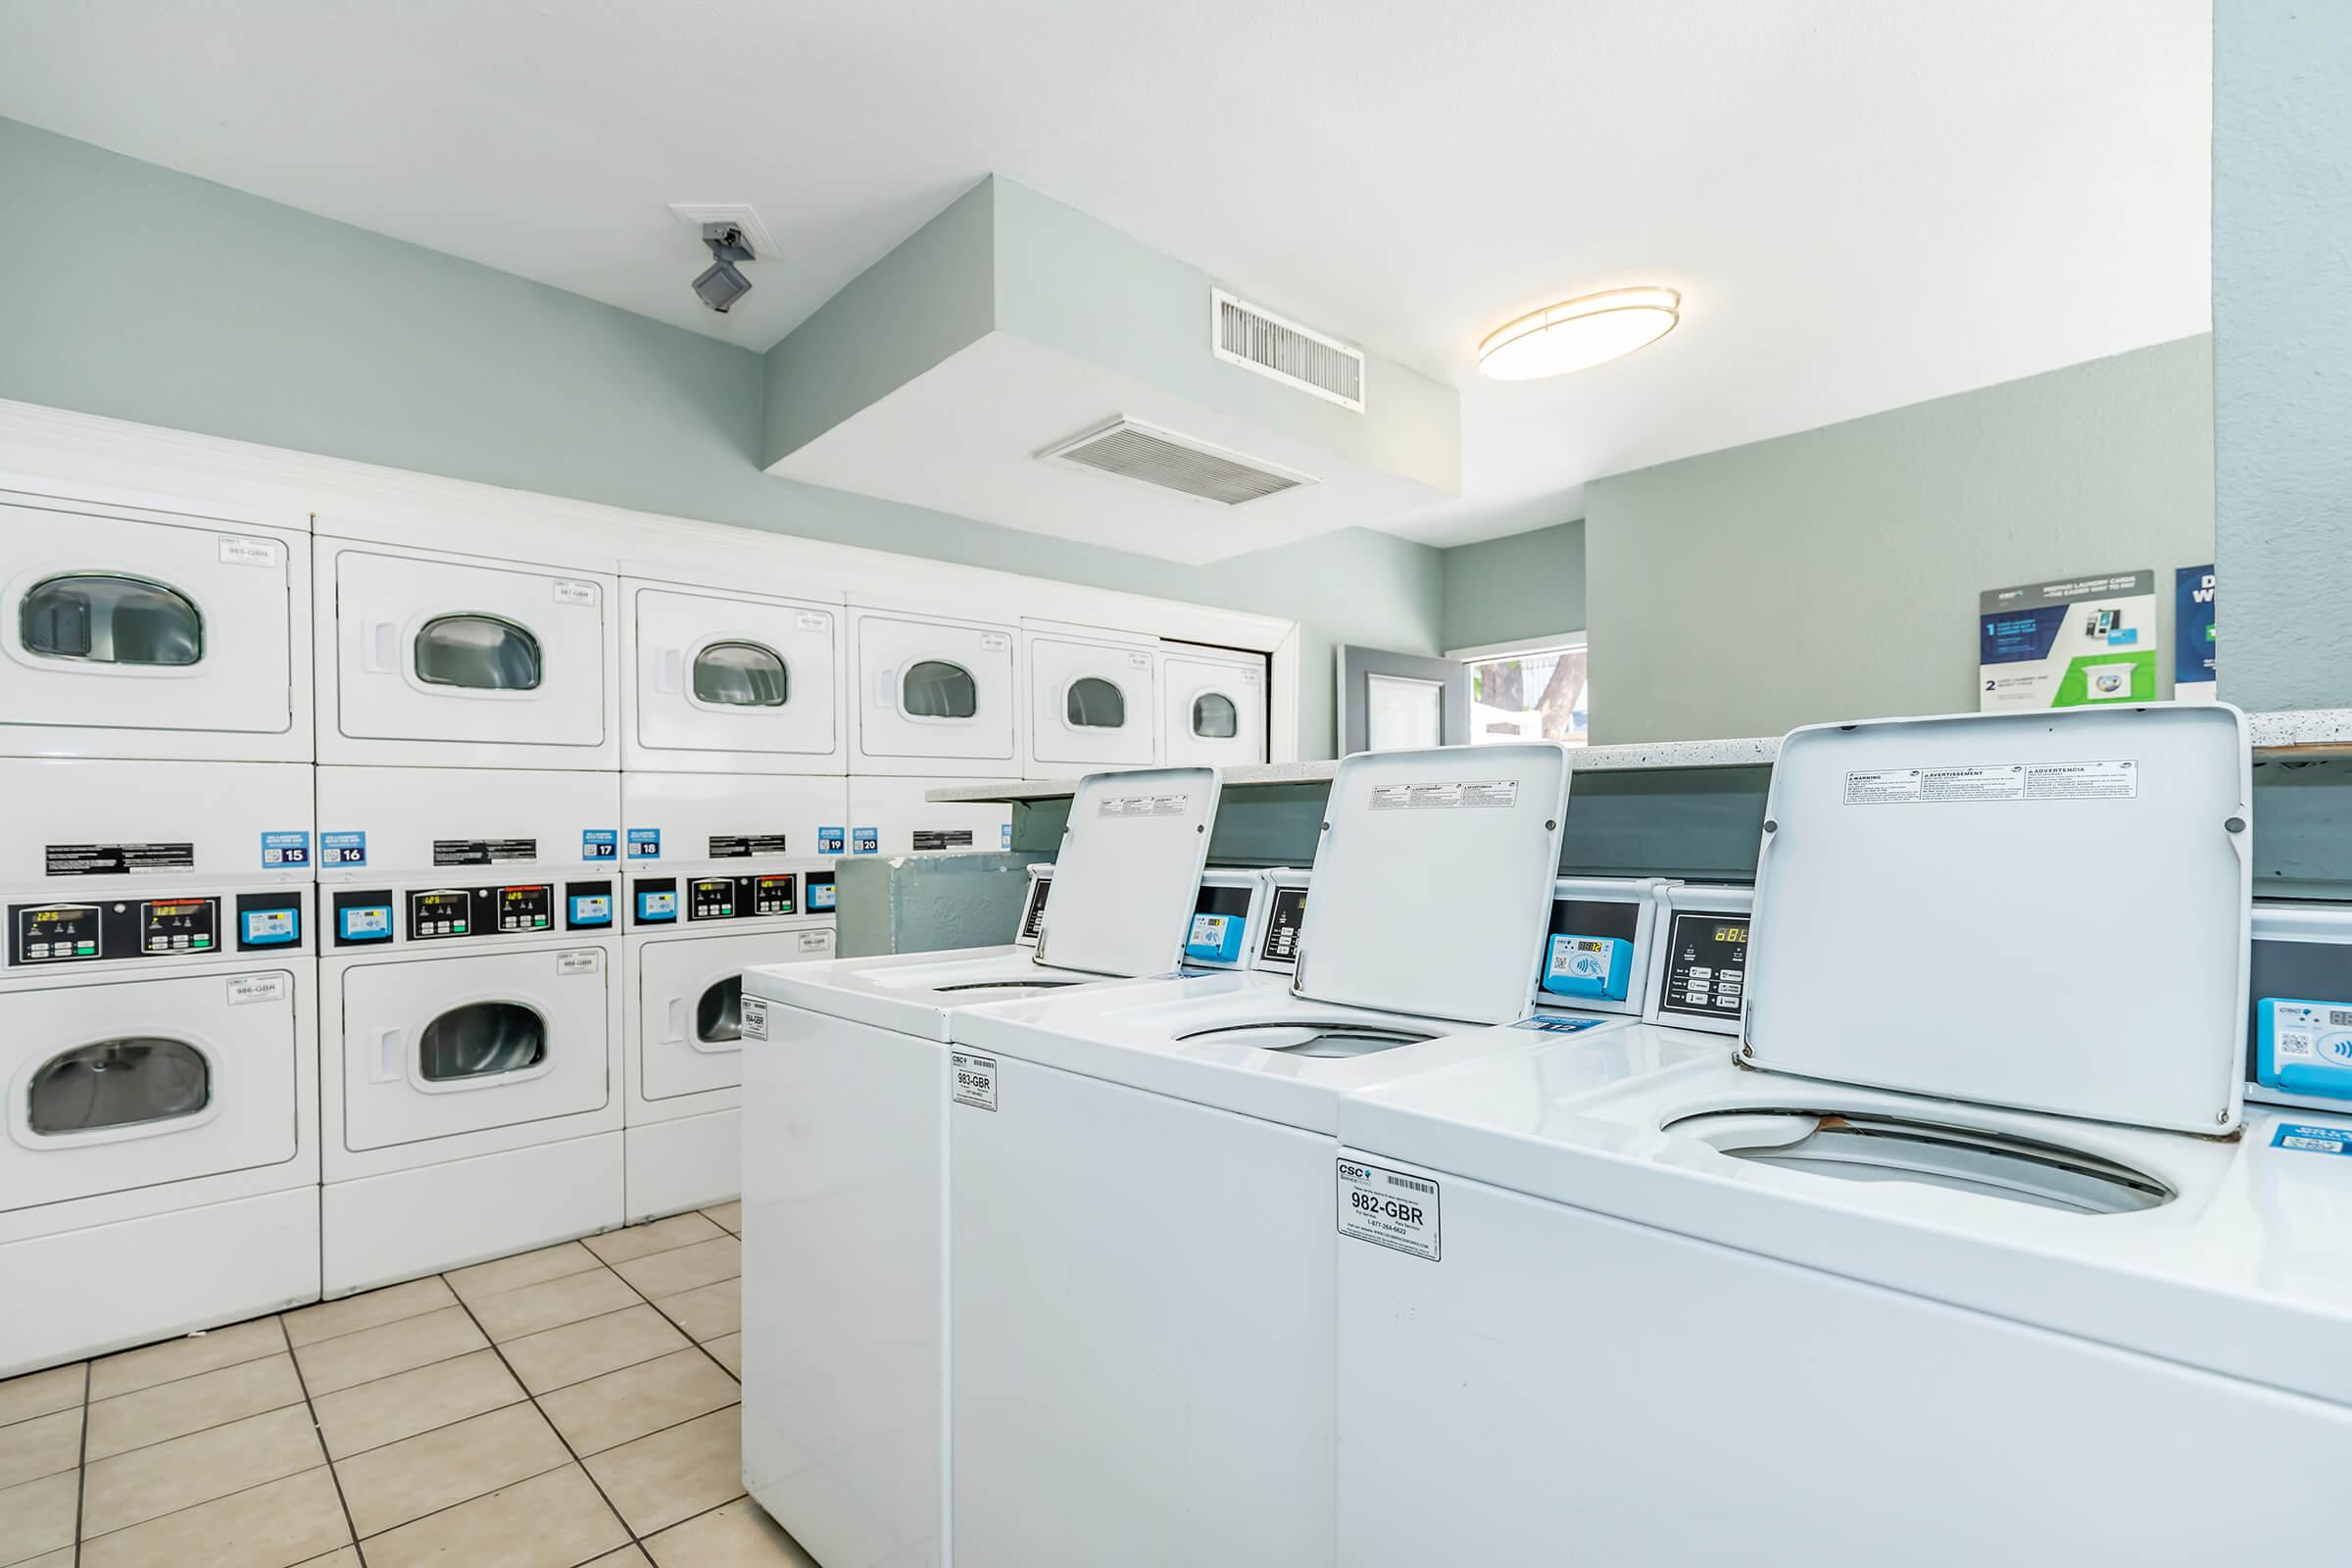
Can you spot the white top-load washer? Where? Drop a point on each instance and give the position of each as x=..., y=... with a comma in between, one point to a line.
x=142, y=627
x=846, y=1082
x=1139, y=1189
x=1964, y=1245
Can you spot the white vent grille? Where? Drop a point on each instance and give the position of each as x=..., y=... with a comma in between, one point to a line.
x=1296, y=356
x=1144, y=453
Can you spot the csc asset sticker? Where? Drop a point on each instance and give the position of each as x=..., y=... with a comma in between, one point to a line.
x=755, y=1018
x=972, y=1080
x=1389, y=1209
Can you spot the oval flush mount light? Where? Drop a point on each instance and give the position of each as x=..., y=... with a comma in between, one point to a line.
x=1579, y=334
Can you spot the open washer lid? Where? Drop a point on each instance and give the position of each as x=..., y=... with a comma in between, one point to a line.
x=1432, y=883
x=2041, y=910
x=1129, y=870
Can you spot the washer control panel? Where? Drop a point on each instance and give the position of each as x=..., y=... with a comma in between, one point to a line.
x=1706, y=966
x=1286, y=915
x=193, y=925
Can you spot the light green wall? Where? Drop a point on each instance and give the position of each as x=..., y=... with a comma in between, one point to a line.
x=1522, y=585
x=134, y=292
x=1833, y=574
x=2283, y=330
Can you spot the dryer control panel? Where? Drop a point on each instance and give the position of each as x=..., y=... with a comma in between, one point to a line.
x=188, y=925
x=359, y=917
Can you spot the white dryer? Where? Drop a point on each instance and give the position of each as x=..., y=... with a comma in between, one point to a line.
x=159, y=1163
x=1164, y=1153
x=151, y=630
x=1212, y=706
x=443, y=660
x=731, y=883
x=1969, y=1210
x=846, y=1079
x=934, y=695
x=722, y=680
x=1094, y=699
x=898, y=816
x=471, y=992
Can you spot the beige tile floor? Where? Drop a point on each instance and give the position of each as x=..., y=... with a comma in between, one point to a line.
x=572, y=1405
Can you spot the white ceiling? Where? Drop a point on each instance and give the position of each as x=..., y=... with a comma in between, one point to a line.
x=1865, y=202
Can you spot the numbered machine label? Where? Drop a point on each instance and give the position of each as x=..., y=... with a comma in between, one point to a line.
x=974, y=1079
x=1389, y=1209
x=755, y=1018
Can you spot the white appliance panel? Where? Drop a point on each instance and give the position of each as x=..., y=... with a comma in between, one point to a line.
x=1212, y=707
x=933, y=696
x=890, y=816
x=1092, y=703
x=690, y=1007
x=731, y=681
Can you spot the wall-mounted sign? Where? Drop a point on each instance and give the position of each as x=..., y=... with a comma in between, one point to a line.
x=2067, y=643
x=2194, y=679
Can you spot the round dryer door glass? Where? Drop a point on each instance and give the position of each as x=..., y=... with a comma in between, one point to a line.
x=1864, y=1147
x=718, y=1016
x=740, y=675
x=1309, y=1037
x=933, y=688
x=1093, y=703
x=118, y=1083
x=485, y=653
x=1214, y=717
x=106, y=619
x=482, y=1040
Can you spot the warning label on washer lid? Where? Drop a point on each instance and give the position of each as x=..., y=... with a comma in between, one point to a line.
x=245, y=988
x=236, y=550
x=755, y=1018
x=2011, y=781
x=1389, y=1209
x=1447, y=797
x=580, y=960
x=972, y=1080
x=1131, y=806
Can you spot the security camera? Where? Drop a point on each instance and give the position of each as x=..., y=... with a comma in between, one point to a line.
x=723, y=283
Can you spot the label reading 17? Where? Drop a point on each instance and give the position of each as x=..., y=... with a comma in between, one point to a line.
x=972, y=1080
x=1389, y=1209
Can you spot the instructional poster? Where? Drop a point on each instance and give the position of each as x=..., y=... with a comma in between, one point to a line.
x=2066, y=644
x=2193, y=676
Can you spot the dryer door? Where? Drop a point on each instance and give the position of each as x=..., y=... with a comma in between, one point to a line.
x=1214, y=710
x=932, y=692
x=119, y=623
x=459, y=1045
x=752, y=676
x=690, y=1009
x=446, y=651
x=1091, y=704
x=141, y=1082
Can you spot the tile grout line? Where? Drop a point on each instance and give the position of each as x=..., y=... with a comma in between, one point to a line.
x=82, y=1462
x=319, y=1434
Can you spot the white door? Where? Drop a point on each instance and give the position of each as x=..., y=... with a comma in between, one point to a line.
x=445, y=650
x=138, y=1082
x=933, y=696
x=1092, y=704
x=113, y=624
x=439, y=1046
x=690, y=1007
x=1214, y=707
x=744, y=682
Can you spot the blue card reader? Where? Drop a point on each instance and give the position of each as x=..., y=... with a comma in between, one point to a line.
x=2304, y=1048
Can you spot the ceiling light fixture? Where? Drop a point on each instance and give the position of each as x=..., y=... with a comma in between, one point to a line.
x=1579, y=334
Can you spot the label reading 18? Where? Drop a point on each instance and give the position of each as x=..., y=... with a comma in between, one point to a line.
x=972, y=1080
x=1389, y=1209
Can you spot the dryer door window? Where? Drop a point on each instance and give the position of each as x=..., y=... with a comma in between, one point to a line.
x=484, y=653
x=933, y=688
x=741, y=675
x=110, y=619
x=1214, y=717
x=482, y=1040
x=1092, y=703
x=127, y=1082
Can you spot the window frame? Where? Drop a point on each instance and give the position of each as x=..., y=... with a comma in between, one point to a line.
x=1527, y=648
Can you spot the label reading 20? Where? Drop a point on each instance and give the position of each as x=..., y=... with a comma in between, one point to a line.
x=974, y=1079
x=1389, y=1209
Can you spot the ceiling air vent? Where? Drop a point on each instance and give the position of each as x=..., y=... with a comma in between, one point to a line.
x=1296, y=356
x=1145, y=454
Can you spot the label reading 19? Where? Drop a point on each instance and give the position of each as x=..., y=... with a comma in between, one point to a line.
x=974, y=1079
x=1389, y=1209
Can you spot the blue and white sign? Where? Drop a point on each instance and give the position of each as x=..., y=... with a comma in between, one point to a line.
x=2311, y=1139
x=2194, y=677
x=865, y=841
x=832, y=839
x=342, y=848
x=1007, y=840
x=1541, y=1024
x=600, y=844
x=645, y=844
x=282, y=850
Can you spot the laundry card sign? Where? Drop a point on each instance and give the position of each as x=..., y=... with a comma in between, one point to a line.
x=1390, y=1208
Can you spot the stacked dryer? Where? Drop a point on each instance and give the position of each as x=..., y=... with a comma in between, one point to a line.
x=159, y=1165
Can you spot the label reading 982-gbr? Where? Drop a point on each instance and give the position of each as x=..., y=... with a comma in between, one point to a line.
x=1389, y=1209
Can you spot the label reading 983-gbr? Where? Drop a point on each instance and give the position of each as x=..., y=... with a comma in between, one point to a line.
x=1389, y=1209
x=972, y=1080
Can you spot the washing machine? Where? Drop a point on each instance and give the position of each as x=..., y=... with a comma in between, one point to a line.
x=846, y=1072
x=722, y=680
x=470, y=992
x=1163, y=1154
x=897, y=816
x=719, y=879
x=935, y=695
x=159, y=1170
x=1094, y=699
x=151, y=630
x=1965, y=1248
x=1212, y=706
x=437, y=658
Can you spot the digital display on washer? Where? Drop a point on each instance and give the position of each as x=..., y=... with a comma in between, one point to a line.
x=1706, y=966
x=1283, y=923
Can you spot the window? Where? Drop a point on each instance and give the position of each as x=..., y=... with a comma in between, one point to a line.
x=1525, y=694
x=105, y=618
x=1214, y=717
x=933, y=688
x=1092, y=703
x=482, y=1040
x=740, y=675
x=718, y=1016
x=118, y=1083
x=481, y=652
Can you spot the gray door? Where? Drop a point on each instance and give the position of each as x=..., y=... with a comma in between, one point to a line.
x=1389, y=701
